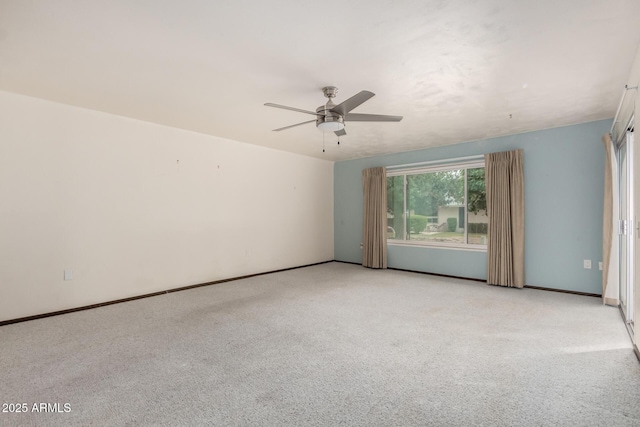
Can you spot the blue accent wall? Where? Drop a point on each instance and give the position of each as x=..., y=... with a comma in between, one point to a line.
x=564, y=191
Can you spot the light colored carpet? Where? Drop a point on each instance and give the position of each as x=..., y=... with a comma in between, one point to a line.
x=328, y=345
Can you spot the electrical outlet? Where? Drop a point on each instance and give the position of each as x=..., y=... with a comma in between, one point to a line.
x=587, y=263
x=600, y=266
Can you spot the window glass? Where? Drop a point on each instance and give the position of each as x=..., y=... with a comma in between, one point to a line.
x=477, y=207
x=439, y=207
x=435, y=196
x=395, y=207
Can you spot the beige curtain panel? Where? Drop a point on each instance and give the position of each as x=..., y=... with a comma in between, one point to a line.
x=374, y=224
x=610, y=242
x=504, y=176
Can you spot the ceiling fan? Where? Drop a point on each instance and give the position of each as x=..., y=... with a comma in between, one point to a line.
x=331, y=117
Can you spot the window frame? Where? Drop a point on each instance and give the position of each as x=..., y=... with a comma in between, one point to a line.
x=439, y=167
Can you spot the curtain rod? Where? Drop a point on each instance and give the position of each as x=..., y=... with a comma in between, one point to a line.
x=457, y=159
x=624, y=94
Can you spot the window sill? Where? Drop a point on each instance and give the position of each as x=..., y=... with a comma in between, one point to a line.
x=449, y=246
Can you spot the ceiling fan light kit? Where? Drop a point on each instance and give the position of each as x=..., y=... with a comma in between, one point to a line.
x=331, y=117
x=330, y=124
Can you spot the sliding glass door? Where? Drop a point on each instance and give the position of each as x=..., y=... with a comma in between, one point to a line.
x=625, y=168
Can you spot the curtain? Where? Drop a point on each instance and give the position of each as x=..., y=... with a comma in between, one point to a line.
x=504, y=176
x=610, y=243
x=374, y=224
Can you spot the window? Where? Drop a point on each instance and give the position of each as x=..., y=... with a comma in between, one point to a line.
x=438, y=206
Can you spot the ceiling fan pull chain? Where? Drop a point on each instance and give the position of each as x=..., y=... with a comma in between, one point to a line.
x=323, y=142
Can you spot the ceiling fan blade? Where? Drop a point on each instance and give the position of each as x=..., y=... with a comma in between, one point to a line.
x=340, y=132
x=351, y=103
x=355, y=117
x=284, y=107
x=292, y=126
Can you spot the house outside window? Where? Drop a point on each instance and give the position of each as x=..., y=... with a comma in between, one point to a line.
x=443, y=206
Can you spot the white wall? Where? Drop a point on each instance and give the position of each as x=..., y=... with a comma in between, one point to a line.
x=134, y=207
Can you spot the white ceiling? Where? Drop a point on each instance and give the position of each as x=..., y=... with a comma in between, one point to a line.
x=457, y=70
